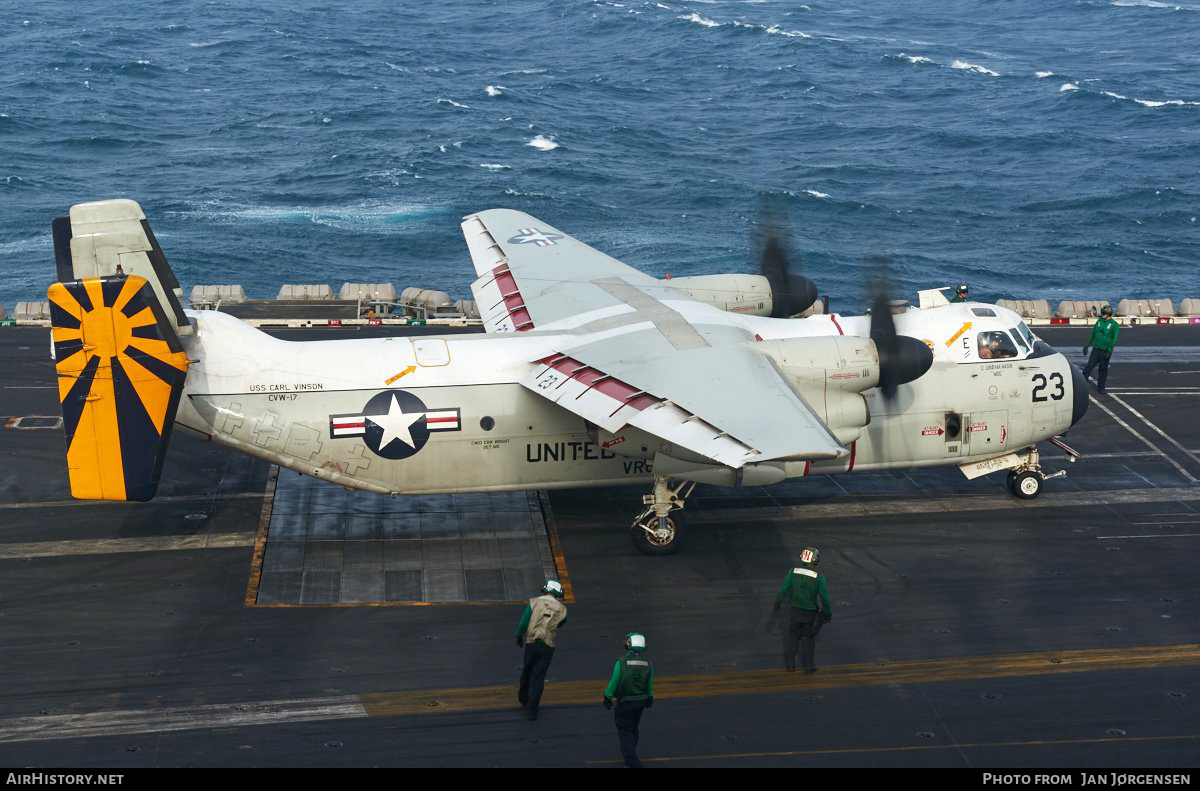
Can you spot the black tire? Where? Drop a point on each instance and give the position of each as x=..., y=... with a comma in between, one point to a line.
x=1027, y=485
x=650, y=546
x=1011, y=482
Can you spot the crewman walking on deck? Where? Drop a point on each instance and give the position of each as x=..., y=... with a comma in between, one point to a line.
x=1102, y=341
x=960, y=293
x=632, y=684
x=538, y=631
x=809, y=599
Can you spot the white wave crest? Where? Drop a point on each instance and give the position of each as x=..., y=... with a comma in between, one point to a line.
x=493, y=166
x=379, y=218
x=775, y=30
x=35, y=244
x=453, y=103
x=973, y=67
x=542, y=143
x=1150, y=4
x=699, y=20
x=1043, y=74
x=816, y=194
x=395, y=67
x=1165, y=103
x=1068, y=86
x=494, y=90
x=519, y=194
x=1152, y=102
x=915, y=58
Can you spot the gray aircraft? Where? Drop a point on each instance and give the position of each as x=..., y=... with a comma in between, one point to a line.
x=590, y=373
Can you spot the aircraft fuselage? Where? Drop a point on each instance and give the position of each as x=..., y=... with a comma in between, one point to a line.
x=411, y=415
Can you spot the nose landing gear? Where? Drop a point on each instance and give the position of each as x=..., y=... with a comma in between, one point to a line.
x=657, y=531
x=1025, y=481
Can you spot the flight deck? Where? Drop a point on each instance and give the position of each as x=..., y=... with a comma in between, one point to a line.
x=971, y=629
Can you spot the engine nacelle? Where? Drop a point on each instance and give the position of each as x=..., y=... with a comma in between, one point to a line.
x=830, y=374
x=840, y=362
x=748, y=294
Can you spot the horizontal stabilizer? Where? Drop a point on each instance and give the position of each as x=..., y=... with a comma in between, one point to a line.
x=121, y=368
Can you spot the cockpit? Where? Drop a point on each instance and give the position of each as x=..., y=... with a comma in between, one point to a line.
x=996, y=345
x=1001, y=343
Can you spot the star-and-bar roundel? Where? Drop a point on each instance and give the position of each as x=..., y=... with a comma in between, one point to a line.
x=535, y=236
x=394, y=424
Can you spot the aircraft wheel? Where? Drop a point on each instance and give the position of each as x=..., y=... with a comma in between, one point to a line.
x=1011, y=482
x=650, y=539
x=1027, y=485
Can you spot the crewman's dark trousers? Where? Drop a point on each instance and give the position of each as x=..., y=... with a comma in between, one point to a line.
x=802, y=628
x=533, y=676
x=1100, y=357
x=627, y=715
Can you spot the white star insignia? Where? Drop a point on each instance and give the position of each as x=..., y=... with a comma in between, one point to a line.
x=396, y=425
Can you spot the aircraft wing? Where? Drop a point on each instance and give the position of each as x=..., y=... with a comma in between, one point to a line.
x=532, y=274
x=727, y=402
x=628, y=357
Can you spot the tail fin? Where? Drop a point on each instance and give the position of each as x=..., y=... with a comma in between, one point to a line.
x=120, y=360
x=112, y=237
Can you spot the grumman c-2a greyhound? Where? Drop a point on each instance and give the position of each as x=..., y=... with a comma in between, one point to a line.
x=590, y=373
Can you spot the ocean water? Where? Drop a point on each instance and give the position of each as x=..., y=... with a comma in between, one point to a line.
x=1031, y=149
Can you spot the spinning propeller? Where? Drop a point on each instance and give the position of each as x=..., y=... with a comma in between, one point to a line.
x=791, y=293
x=901, y=359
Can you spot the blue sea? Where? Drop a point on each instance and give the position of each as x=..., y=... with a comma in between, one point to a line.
x=1031, y=149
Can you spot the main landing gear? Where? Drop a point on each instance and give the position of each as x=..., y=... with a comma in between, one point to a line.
x=1025, y=481
x=658, y=530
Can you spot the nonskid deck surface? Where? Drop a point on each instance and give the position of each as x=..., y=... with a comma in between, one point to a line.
x=324, y=545
x=971, y=629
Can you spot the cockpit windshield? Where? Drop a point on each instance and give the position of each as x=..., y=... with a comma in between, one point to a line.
x=1027, y=334
x=1020, y=341
x=996, y=345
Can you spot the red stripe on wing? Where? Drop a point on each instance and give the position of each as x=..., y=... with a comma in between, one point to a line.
x=513, y=302
x=595, y=379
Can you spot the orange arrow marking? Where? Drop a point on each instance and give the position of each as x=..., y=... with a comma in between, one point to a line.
x=958, y=334
x=403, y=373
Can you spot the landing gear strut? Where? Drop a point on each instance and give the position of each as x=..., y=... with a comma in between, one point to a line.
x=656, y=531
x=1025, y=481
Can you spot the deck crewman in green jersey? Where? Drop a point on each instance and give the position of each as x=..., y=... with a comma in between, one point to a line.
x=538, y=631
x=960, y=293
x=1102, y=341
x=632, y=684
x=809, y=599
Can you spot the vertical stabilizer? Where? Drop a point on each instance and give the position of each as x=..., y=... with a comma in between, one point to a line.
x=120, y=360
x=112, y=237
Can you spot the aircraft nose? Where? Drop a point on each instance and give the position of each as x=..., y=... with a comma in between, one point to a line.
x=1079, y=394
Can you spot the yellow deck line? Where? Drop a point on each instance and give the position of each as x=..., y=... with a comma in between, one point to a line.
x=260, y=542
x=920, y=671
x=915, y=748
